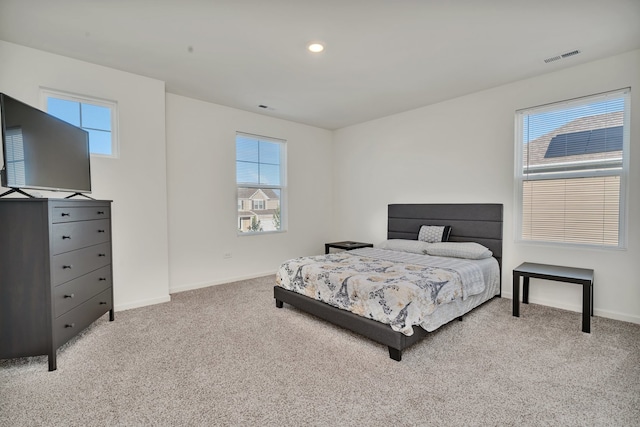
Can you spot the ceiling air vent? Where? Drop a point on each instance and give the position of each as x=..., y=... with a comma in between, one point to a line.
x=562, y=56
x=568, y=54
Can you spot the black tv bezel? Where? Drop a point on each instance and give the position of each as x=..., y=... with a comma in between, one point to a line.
x=3, y=171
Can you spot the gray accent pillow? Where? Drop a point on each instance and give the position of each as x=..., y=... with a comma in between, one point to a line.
x=434, y=233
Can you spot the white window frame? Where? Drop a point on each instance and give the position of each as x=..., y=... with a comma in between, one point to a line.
x=623, y=172
x=282, y=187
x=84, y=99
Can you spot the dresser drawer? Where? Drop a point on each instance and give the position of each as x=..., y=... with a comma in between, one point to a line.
x=69, y=265
x=76, y=291
x=74, y=321
x=70, y=214
x=75, y=235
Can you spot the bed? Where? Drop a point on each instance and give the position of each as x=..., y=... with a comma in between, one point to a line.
x=476, y=224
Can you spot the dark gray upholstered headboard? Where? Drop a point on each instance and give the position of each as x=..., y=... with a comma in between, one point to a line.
x=471, y=222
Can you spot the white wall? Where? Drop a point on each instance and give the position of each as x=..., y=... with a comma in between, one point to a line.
x=202, y=194
x=462, y=150
x=136, y=181
x=339, y=183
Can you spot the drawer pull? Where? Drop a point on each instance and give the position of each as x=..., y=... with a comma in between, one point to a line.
x=102, y=279
x=70, y=325
x=66, y=237
x=103, y=303
x=66, y=214
x=100, y=212
x=100, y=231
x=69, y=296
x=102, y=254
x=65, y=267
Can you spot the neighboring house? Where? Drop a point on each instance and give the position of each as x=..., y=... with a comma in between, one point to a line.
x=579, y=141
x=263, y=204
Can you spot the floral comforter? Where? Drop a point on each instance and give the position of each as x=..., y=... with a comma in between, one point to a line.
x=400, y=294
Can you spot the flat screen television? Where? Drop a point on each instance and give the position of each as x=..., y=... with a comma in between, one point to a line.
x=41, y=151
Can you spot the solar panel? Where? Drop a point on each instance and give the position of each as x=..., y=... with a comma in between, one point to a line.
x=585, y=142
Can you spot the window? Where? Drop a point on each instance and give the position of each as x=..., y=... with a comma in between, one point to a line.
x=571, y=170
x=96, y=116
x=260, y=181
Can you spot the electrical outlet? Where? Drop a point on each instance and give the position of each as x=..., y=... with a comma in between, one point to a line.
x=227, y=255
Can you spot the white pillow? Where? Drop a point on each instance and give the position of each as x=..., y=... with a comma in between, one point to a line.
x=413, y=246
x=467, y=250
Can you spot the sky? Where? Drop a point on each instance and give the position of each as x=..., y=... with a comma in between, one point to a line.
x=93, y=118
x=257, y=161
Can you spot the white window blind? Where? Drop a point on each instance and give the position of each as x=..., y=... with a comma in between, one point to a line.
x=14, y=161
x=571, y=168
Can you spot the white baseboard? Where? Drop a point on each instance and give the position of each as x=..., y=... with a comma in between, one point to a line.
x=192, y=286
x=142, y=303
x=617, y=316
x=578, y=308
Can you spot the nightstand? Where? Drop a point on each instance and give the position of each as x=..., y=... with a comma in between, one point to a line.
x=579, y=276
x=347, y=245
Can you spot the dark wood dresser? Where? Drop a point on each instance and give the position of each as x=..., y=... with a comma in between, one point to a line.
x=55, y=272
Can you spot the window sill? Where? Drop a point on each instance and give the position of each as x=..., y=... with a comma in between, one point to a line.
x=565, y=245
x=259, y=233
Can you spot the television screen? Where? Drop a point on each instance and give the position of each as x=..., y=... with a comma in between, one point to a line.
x=41, y=151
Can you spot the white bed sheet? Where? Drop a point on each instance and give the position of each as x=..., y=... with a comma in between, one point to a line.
x=452, y=310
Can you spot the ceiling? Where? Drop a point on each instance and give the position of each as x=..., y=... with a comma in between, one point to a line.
x=382, y=56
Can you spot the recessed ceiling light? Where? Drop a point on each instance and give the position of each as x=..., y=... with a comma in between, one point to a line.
x=315, y=47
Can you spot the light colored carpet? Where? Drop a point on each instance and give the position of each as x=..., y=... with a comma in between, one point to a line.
x=225, y=355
